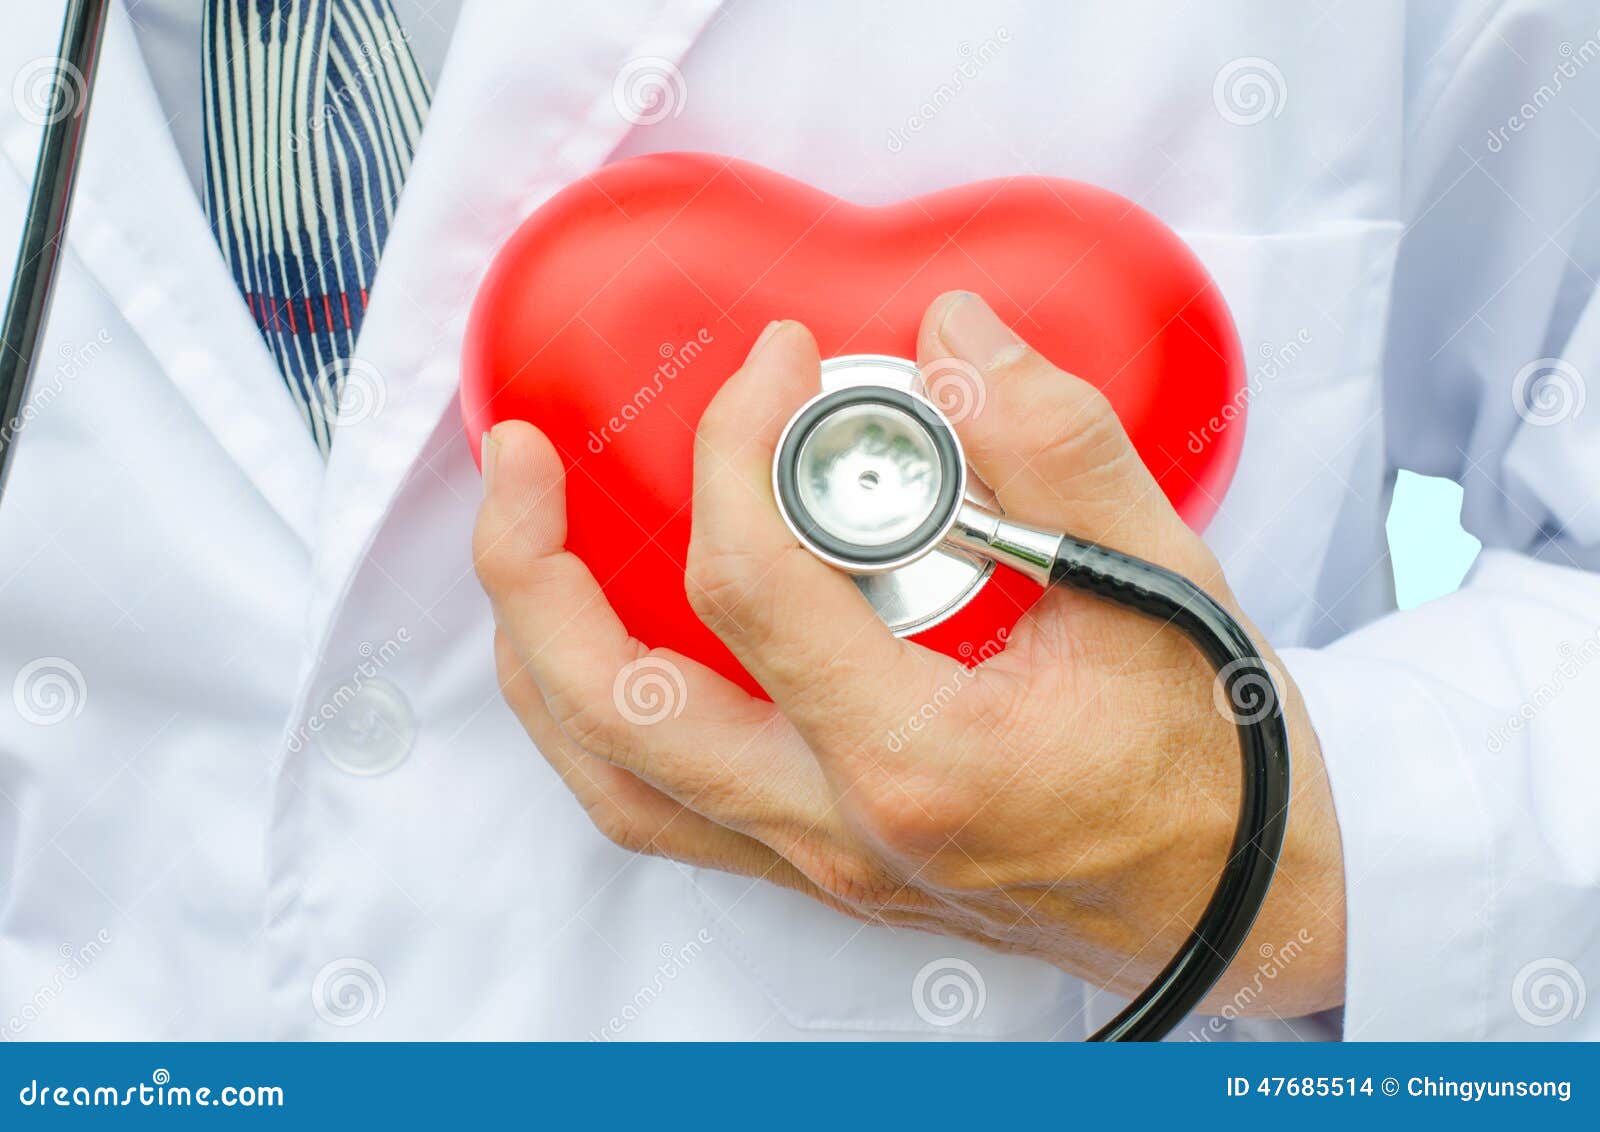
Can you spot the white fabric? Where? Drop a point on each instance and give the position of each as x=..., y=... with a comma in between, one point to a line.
x=206, y=867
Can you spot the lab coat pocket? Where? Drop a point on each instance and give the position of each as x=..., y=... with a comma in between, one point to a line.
x=822, y=970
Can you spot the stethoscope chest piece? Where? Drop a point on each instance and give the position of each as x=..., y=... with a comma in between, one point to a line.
x=870, y=477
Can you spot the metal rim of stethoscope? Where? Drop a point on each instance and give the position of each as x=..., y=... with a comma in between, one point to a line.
x=889, y=408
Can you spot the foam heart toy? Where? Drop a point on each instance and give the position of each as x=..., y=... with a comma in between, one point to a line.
x=615, y=312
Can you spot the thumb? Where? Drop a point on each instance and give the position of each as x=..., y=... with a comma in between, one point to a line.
x=1048, y=443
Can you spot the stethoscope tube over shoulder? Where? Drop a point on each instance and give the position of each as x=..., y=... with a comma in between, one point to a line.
x=45, y=228
x=872, y=479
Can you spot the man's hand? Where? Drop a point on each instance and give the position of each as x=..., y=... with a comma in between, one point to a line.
x=1073, y=797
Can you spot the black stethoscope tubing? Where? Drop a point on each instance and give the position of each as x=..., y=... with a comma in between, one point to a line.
x=45, y=228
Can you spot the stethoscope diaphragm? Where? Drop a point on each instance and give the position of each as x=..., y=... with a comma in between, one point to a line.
x=870, y=477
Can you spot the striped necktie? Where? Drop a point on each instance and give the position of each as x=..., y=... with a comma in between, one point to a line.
x=313, y=109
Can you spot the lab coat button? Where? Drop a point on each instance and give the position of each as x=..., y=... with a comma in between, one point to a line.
x=372, y=731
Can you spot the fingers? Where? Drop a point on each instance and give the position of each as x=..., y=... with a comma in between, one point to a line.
x=629, y=812
x=802, y=628
x=1048, y=443
x=635, y=816
x=659, y=715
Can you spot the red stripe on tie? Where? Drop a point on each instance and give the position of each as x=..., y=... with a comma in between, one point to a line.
x=363, y=298
x=288, y=305
x=311, y=319
x=327, y=311
x=344, y=301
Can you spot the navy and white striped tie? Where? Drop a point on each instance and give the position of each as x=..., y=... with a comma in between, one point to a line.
x=313, y=109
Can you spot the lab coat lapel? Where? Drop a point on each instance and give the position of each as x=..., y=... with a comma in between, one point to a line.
x=138, y=225
x=525, y=105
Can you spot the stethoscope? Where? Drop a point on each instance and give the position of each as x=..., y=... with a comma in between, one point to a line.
x=871, y=478
x=44, y=231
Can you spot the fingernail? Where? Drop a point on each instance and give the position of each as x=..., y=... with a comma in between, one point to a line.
x=975, y=334
x=771, y=329
x=488, y=454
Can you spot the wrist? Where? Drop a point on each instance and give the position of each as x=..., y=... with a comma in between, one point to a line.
x=1293, y=962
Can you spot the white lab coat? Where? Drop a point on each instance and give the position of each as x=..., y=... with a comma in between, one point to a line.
x=181, y=856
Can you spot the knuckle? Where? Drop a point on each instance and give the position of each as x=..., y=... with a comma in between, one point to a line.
x=854, y=881
x=722, y=584
x=617, y=827
x=730, y=797
x=913, y=820
x=494, y=556
x=593, y=723
x=714, y=581
x=928, y=835
x=718, y=419
x=1082, y=431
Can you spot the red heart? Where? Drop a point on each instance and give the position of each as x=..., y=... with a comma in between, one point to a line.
x=616, y=311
